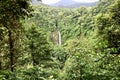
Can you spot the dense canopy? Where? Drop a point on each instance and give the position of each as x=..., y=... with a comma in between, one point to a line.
x=39, y=42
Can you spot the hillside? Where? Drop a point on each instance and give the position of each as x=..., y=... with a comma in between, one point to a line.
x=43, y=42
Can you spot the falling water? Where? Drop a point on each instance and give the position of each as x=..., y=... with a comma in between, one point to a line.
x=59, y=38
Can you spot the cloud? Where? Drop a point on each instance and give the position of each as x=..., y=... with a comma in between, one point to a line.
x=50, y=1
x=87, y=1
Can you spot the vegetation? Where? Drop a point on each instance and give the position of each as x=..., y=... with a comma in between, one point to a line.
x=47, y=43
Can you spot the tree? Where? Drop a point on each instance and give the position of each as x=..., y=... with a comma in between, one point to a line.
x=108, y=26
x=40, y=48
x=11, y=12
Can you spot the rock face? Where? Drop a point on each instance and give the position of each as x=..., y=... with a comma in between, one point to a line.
x=56, y=37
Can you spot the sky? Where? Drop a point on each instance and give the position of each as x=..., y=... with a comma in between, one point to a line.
x=55, y=1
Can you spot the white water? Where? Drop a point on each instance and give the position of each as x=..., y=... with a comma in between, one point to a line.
x=59, y=38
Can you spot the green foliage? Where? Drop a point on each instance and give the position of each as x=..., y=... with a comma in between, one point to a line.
x=115, y=11
x=11, y=13
x=90, y=42
x=59, y=56
x=34, y=73
x=108, y=26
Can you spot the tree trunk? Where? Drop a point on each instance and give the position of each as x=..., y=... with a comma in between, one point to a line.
x=0, y=61
x=11, y=49
x=32, y=54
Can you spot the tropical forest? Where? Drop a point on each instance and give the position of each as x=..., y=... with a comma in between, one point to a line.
x=44, y=42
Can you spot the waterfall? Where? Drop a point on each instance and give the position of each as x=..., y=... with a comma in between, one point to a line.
x=59, y=38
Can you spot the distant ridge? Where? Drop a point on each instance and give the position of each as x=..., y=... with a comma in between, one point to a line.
x=67, y=3
x=72, y=4
x=34, y=2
